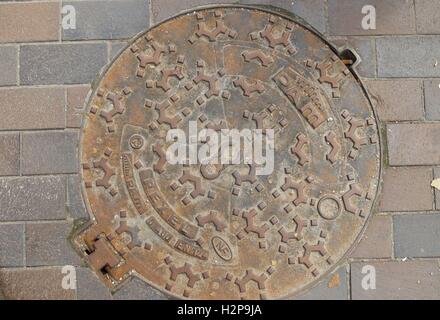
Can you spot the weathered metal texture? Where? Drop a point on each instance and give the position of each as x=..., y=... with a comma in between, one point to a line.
x=225, y=233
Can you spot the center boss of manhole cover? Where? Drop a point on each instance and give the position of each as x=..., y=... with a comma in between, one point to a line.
x=223, y=231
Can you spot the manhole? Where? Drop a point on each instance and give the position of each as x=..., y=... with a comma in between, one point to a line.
x=215, y=231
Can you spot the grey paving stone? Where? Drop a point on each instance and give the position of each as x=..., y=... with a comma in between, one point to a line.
x=432, y=99
x=76, y=102
x=32, y=198
x=11, y=245
x=75, y=203
x=8, y=65
x=136, y=289
x=9, y=154
x=115, y=48
x=61, y=63
x=28, y=22
x=387, y=98
x=377, y=240
x=392, y=17
x=334, y=287
x=47, y=245
x=311, y=11
x=108, y=19
x=405, y=147
x=49, y=152
x=34, y=284
x=406, y=189
x=428, y=16
x=365, y=48
x=163, y=9
x=408, y=56
x=410, y=280
x=417, y=235
x=32, y=108
x=89, y=287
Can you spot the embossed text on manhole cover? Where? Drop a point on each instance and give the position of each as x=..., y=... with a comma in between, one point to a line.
x=222, y=231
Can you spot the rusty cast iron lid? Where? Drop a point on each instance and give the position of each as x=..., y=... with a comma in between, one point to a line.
x=207, y=231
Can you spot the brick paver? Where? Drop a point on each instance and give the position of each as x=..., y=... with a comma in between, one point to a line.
x=409, y=280
x=8, y=65
x=76, y=100
x=407, y=189
x=428, y=16
x=34, y=284
x=10, y=155
x=393, y=17
x=387, y=97
x=32, y=108
x=412, y=56
x=365, y=48
x=46, y=73
x=377, y=241
x=89, y=287
x=47, y=245
x=417, y=235
x=11, y=245
x=50, y=152
x=334, y=287
x=61, y=63
x=405, y=147
x=136, y=289
x=432, y=99
x=29, y=22
x=114, y=20
x=32, y=198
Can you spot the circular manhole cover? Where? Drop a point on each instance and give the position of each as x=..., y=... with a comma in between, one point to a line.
x=217, y=230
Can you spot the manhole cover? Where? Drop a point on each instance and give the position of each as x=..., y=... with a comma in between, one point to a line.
x=221, y=231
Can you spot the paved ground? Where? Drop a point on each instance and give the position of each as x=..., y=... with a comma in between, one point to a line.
x=45, y=73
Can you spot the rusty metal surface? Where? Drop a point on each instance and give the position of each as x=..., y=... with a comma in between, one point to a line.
x=223, y=232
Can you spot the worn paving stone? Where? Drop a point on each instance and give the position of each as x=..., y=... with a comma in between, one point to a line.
x=115, y=48
x=32, y=198
x=108, y=20
x=10, y=154
x=392, y=17
x=428, y=16
x=11, y=245
x=32, y=108
x=405, y=147
x=49, y=152
x=377, y=240
x=365, y=48
x=29, y=22
x=332, y=288
x=387, y=98
x=311, y=11
x=410, y=280
x=8, y=65
x=47, y=245
x=417, y=235
x=136, y=289
x=75, y=203
x=89, y=287
x=76, y=102
x=432, y=99
x=163, y=9
x=34, y=284
x=406, y=189
x=61, y=63
x=399, y=57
